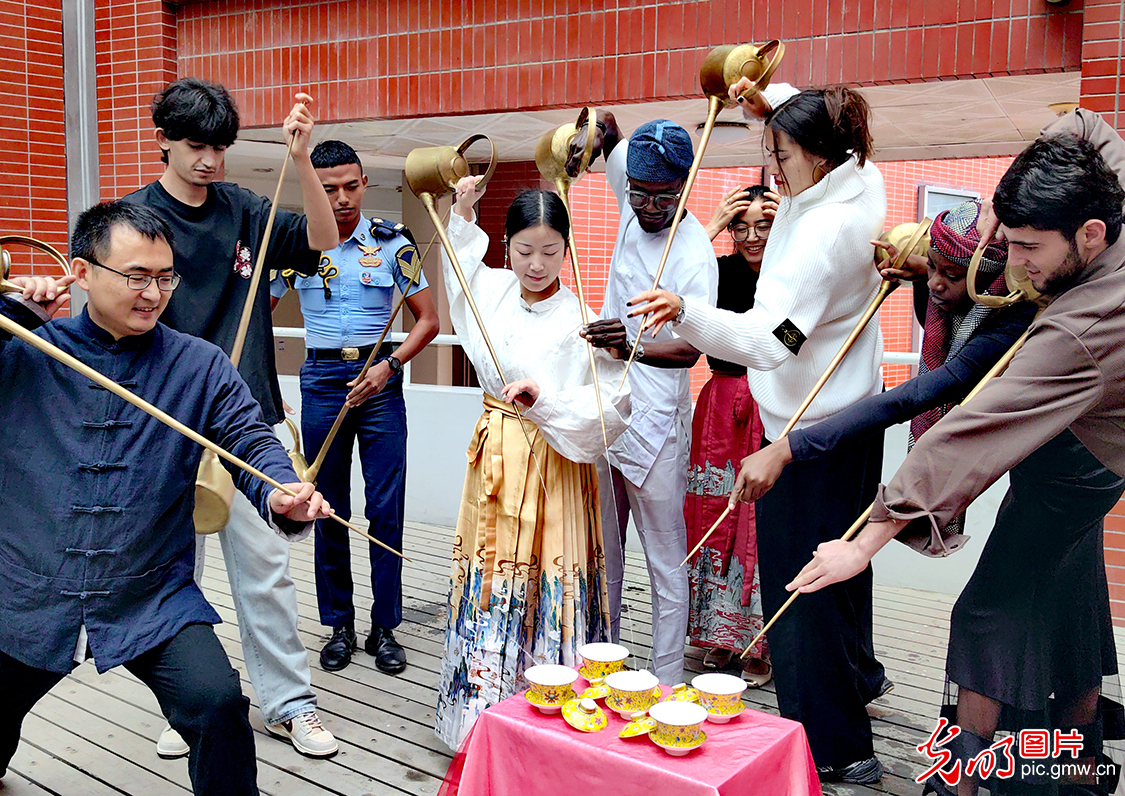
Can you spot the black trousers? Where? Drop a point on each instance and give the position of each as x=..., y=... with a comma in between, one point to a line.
x=824, y=664
x=197, y=690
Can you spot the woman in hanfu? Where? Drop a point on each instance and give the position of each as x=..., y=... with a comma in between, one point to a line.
x=528, y=576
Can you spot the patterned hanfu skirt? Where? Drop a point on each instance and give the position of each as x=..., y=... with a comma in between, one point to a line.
x=726, y=605
x=528, y=579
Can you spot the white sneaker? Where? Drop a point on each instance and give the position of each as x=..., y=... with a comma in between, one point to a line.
x=171, y=745
x=307, y=735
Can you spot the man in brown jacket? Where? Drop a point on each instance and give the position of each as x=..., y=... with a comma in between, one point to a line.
x=1030, y=636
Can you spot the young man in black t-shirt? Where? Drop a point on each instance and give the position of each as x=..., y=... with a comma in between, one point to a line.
x=218, y=229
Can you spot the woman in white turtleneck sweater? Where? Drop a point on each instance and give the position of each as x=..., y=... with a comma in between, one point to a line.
x=816, y=280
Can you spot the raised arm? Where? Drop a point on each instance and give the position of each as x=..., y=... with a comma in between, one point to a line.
x=322, y=231
x=1052, y=381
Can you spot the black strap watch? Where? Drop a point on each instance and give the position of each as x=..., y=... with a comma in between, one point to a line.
x=395, y=364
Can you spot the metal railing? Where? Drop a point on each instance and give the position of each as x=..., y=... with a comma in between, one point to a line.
x=889, y=357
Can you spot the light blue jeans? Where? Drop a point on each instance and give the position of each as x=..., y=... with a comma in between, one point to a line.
x=265, y=602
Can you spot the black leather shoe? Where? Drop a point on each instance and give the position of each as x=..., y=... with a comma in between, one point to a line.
x=337, y=653
x=389, y=655
x=885, y=688
x=865, y=772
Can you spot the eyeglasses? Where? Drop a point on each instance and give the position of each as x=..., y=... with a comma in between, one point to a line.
x=165, y=284
x=663, y=202
x=741, y=232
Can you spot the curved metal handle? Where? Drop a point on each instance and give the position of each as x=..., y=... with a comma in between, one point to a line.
x=493, y=159
x=296, y=432
x=589, y=115
x=1019, y=284
x=775, y=47
x=34, y=243
x=778, y=47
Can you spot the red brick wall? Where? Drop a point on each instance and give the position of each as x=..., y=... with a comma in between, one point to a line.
x=33, y=181
x=1103, y=59
x=136, y=57
x=1103, y=62
x=409, y=58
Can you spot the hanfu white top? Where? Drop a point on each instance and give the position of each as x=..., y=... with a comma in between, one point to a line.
x=538, y=341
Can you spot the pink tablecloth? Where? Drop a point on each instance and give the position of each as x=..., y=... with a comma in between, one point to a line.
x=513, y=750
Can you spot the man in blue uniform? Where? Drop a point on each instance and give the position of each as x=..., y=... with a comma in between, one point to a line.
x=346, y=305
x=97, y=541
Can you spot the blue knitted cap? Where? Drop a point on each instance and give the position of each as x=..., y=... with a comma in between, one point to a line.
x=659, y=151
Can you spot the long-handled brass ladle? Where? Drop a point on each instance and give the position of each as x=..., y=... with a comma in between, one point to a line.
x=435, y=171
x=214, y=488
x=550, y=157
x=101, y=380
x=917, y=242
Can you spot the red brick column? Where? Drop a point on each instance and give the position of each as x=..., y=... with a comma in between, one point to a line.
x=1103, y=59
x=33, y=180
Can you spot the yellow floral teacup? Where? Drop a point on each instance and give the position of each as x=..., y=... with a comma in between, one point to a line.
x=550, y=686
x=631, y=692
x=678, y=726
x=600, y=659
x=720, y=695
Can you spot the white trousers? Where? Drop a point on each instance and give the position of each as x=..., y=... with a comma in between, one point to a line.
x=265, y=602
x=657, y=507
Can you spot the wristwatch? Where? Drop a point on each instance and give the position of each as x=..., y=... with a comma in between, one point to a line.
x=680, y=315
x=395, y=364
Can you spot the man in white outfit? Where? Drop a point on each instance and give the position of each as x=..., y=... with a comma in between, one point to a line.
x=646, y=471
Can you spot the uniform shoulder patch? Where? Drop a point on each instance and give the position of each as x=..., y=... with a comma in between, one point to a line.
x=409, y=263
x=790, y=336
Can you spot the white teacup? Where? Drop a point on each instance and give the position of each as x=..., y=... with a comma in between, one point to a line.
x=600, y=659
x=631, y=692
x=551, y=686
x=720, y=695
x=678, y=727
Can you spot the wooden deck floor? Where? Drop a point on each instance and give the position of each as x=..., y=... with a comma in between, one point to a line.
x=94, y=735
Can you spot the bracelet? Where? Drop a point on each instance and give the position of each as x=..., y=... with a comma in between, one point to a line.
x=680, y=315
x=640, y=348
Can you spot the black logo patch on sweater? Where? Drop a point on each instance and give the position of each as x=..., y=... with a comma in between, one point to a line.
x=790, y=336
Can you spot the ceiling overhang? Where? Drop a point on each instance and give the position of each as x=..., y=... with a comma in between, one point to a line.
x=980, y=117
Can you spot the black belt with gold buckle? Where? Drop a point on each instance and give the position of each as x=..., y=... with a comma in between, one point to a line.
x=348, y=354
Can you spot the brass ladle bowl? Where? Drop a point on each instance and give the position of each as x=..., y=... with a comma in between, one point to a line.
x=727, y=64
x=908, y=240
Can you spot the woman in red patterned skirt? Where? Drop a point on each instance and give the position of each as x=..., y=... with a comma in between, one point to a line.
x=726, y=611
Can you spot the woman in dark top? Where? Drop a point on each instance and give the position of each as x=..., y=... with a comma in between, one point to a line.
x=725, y=608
